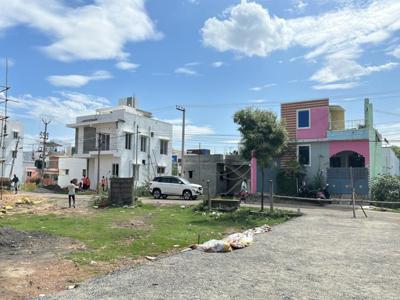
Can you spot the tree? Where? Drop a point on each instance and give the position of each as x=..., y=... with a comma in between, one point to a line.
x=262, y=133
x=396, y=150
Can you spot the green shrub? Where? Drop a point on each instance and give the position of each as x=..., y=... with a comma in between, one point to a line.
x=101, y=200
x=286, y=184
x=143, y=191
x=386, y=188
x=317, y=182
x=29, y=187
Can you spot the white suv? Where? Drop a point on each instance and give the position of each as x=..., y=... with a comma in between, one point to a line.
x=165, y=186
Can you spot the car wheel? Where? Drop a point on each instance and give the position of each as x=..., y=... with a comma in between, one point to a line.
x=164, y=196
x=187, y=195
x=156, y=193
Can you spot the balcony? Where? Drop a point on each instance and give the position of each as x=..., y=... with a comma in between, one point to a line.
x=341, y=125
x=348, y=130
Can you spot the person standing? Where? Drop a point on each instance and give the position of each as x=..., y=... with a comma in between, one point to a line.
x=103, y=183
x=71, y=192
x=15, y=181
x=243, y=191
x=87, y=183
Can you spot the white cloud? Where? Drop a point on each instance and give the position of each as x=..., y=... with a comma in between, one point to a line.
x=248, y=30
x=337, y=70
x=337, y=37
x=98, y=30
x=298, y=6
x=69, y=105
x=190, y=129
x=186, y=71
x=125, y=65
x=76, y=81
x=396, y=52
x=258, y=101
x=9, y=61
x=336, y=86
x=259, y=88
x=193, y=64
x=217, y=64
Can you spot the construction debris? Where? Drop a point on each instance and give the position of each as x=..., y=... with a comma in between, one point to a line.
x=213, y=246
x=151, y=258
x=239, y=240
x=232, y=242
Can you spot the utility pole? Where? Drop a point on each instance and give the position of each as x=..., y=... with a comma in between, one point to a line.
x=44, y=135
x=199, y=162
x=14, y=156
x=136, y=162
x=99, y=144
x=183, y=110
x=4, y=131
x=352, y=192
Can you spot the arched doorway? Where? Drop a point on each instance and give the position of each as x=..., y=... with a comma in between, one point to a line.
x=345, y=169
x=347, y=159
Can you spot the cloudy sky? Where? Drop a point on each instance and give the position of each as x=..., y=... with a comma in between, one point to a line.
x=68, y=58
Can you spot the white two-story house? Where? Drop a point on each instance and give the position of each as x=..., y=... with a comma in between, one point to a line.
x=13, y=152
x=132, y=143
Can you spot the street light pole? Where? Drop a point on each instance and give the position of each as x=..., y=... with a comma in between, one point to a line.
x=183, y=110
x=44, y=135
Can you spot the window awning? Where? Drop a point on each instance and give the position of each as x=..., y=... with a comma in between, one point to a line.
x=164, y=138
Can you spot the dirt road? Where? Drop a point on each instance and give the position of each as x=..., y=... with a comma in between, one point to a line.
x=323, y=255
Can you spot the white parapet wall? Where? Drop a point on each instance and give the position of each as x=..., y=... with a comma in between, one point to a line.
x=71, y=168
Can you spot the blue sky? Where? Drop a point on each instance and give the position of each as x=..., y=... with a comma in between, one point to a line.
x=68, y=58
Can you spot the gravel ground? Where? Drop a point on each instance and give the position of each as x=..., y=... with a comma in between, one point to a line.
x=323, y=255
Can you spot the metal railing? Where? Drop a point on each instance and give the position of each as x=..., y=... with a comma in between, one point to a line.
x=346, y=125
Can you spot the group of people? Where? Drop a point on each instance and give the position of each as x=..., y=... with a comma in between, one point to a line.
x=83, y=185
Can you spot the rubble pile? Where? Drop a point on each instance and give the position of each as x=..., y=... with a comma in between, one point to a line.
x=12, y=201
x=234, y=241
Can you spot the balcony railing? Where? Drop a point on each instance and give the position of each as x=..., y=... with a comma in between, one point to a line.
x=346, y=125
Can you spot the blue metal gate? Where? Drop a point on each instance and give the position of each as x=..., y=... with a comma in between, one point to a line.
x=339, y=180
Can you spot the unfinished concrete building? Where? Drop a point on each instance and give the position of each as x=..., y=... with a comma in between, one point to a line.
x=225, y=173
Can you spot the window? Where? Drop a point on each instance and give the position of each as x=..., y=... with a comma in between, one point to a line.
x=115, y=170
x=135, y=171
x=104, y=141
x=175, y=180
x=143, y=143
x=304, y=155
x=14, y=154
x=164, y=147
x=29, y=174
x=190, y=174
x=128, y=141
x=66, y=171
x=15, y=134
x=303, y=119
x=161, y=170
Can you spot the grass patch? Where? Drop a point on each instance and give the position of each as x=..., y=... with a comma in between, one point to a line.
x=154, y=230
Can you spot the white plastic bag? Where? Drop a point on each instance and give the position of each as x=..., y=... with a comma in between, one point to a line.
x=214, y=246
x=239, y=240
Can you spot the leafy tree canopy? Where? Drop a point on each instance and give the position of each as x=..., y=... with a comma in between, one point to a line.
x=262, y=132
x=396, y=150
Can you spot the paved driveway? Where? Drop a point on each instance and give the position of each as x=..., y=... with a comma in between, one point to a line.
x=323, y=255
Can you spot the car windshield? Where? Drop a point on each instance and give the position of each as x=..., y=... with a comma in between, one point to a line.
x=184, y=180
